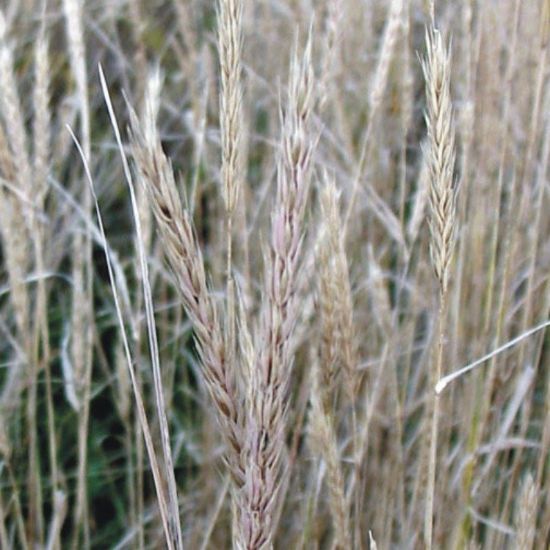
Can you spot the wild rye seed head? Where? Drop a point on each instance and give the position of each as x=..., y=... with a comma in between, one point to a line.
x=230, y=14
x=185, y=258
x=440, y=154
x=266, y=419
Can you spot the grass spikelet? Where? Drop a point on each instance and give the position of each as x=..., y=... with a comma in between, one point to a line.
x=325, y=445
x=230, y=14
x=387, y=48
x=441, y=155
x=335, y=292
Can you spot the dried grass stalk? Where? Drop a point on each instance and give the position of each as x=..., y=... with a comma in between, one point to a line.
x=266, y=421
x=185, y=258
x=82, y=311
x=441, y=161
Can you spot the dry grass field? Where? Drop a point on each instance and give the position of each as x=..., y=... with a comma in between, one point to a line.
x=274, y=274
